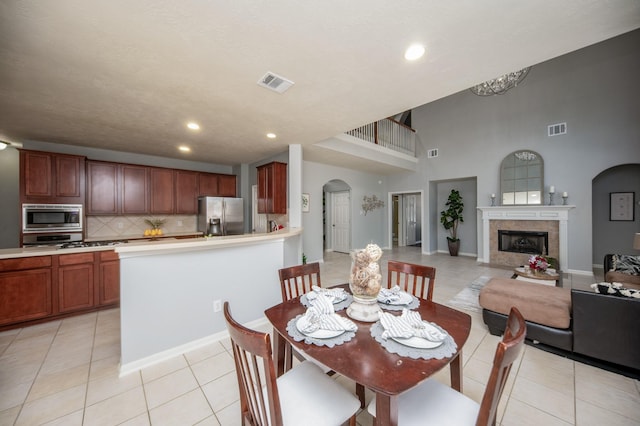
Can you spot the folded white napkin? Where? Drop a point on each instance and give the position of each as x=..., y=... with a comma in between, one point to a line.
x=390, y=296
x=407, y=325
x=336, y=294
x=320, y=316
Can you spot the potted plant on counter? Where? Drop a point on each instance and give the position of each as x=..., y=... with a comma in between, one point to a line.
x=450, y=218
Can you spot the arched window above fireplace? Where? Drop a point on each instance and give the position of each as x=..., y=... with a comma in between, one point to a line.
x=522, y=178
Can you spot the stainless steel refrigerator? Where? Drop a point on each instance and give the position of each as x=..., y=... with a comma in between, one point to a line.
x=229, y=212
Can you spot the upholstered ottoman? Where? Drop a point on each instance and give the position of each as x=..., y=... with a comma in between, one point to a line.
x=546, y=309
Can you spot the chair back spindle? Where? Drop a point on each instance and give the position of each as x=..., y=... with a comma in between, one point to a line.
x=418, y=280
x=298, y=280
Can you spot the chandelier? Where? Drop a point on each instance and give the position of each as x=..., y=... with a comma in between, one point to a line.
x=500, y=85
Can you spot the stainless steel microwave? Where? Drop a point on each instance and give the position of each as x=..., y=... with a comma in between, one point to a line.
x=51, y=218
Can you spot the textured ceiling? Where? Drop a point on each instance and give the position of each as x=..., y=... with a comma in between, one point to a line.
x=128, y=75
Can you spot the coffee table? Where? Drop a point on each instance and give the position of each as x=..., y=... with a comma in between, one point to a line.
x=544, y=276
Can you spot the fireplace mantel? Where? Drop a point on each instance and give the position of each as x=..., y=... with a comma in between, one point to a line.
x=559, y=213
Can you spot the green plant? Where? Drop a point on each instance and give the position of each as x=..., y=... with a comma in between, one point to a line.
x=304, y=259
x=155, y=223
x=453, y=215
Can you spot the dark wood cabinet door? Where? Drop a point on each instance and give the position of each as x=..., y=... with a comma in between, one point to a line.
x=109, y=276
x=102, y=188
x=162, y=191
x=272, y=188
x=36, y=172
x=207, y=185
x=75, y=282
x=69, y=173
x=227, y=185
x=25, y=295
x=186, y=192
x=134, y=189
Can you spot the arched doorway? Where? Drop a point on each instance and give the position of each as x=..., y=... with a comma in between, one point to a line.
x=336, y=216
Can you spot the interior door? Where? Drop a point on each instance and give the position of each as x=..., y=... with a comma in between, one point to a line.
x=341, y=221
x=410, y=218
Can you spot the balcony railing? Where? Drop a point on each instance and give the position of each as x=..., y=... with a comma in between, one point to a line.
x=388, y=133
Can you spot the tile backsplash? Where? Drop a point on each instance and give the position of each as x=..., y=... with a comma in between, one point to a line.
x=111, y=227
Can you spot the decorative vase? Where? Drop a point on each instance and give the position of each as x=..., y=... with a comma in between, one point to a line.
x=365, y=282
x=454, y=246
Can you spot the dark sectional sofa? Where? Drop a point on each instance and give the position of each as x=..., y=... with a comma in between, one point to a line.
x=600, y=329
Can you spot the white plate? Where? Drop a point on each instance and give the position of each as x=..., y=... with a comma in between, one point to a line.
x=405, y=299
x=321, y=334
x=417, y=342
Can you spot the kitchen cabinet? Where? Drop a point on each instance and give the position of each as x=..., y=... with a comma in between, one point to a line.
x=75, y=282
x=102, y=188
x=109, y=278
x=216, y=185
x=134, y=190
x=51, y=178
x=25, y=286
x=162, y=190
x=186, y=192
x=227, y=185
x=272, y=188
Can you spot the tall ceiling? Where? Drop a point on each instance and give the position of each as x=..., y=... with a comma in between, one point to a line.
x=127, y=75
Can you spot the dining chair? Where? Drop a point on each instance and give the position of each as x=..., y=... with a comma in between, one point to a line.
x=438, y=404
x=412, y=278
x=303, y=395
x=298, y=280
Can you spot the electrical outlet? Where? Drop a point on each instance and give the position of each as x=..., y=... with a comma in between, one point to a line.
x=120, y=225
x=217, y=305
x=179, y=223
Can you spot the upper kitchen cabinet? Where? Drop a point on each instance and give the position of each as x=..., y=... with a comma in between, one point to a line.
x=162, y=190
x=215, y=185
x=115, y=188
x=51, y=178
x=272, y=188
x=186, y=192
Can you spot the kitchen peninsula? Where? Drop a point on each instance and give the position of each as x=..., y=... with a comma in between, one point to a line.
x=171, y=291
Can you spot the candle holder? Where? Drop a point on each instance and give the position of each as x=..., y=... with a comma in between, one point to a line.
x=564, y=199
x=551, y=194
x=493, y=200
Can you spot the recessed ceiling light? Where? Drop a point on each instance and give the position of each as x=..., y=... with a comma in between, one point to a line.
x=271, y=135
x=184, y=148
x=193, y=126
x=415, y=51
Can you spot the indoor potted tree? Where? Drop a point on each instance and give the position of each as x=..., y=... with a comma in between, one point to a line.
x=450, y=219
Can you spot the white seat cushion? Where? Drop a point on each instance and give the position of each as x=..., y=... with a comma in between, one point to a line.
x=310, y=397
x=433, y=403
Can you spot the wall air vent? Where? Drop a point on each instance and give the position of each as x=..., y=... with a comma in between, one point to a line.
x=432, y=153
x=275, y=82
x=556, y=129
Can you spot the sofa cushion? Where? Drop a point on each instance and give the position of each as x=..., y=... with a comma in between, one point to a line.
x=541, y=304
x=615, y=289
x=626, y=264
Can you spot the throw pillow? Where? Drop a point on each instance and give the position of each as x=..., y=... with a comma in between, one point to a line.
x=615, y=289
x=626, y=264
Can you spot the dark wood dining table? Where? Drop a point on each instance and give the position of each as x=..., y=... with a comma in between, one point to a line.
x=365, y=361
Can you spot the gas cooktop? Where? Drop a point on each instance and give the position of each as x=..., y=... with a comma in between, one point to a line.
x=80, y=244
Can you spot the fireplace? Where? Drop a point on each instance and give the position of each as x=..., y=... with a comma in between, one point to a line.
x=529, y=242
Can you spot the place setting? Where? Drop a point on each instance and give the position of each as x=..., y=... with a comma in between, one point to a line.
x=320, y=325
x=339, y=297
x=395, y=299
x=411, y=336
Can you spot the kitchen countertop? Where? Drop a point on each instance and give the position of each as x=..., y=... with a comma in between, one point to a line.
x=149, y=245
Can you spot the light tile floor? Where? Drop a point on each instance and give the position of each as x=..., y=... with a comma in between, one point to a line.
x=66, y=372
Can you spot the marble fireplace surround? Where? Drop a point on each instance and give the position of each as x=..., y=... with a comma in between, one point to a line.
x=511, y=214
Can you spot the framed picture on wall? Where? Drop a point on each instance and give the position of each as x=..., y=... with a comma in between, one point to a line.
x=621, y=206
x=305, y=203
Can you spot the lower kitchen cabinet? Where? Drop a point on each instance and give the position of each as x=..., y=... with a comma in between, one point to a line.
x=25, y=289
x=109, y=278
x=43, y=288
x=75, y=282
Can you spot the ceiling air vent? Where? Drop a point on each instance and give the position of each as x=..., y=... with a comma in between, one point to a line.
x=556, y=129
x=432, y=153
x=275, y=82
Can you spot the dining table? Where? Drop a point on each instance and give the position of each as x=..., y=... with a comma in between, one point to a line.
x=365, y=361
